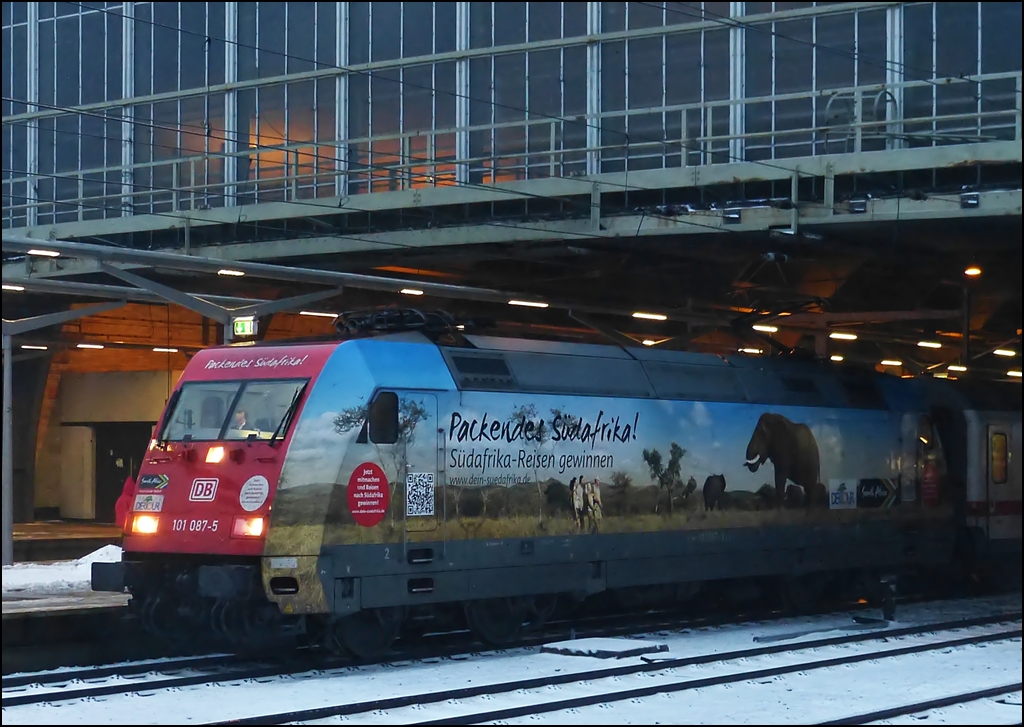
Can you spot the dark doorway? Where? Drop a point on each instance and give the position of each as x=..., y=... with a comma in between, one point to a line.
x=120, y=447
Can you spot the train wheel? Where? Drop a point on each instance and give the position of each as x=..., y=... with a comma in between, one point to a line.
x=496, y=621
x=803, y=593
x=162, y=617
x=368, y=634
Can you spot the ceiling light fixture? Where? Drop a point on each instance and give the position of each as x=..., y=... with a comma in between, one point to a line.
x=1008, y=352
x=95, y=346
x=835, y=357
x=752, y=351
x=15, y=288
x=230, y=273
x=764, y=329
x=164, y=350
x=411, y=291
x=972, y=271
x=1015, y=374
x=33, y=347
x=650, y=316
x=957, y=367
x=891, y=362
x=317, y=314
x=43, y=253
x=929, y=344
x=843, y=336
x=528, y=303
x=649, y=342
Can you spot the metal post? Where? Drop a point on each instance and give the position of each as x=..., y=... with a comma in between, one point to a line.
x=965, y=350
x=8, y=457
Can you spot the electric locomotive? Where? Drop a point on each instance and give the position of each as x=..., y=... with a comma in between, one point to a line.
x=338, y=487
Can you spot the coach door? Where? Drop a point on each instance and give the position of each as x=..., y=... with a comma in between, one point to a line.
x=1002, y=485
x=423, y=494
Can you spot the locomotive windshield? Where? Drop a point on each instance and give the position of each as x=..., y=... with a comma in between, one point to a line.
x=232, y=410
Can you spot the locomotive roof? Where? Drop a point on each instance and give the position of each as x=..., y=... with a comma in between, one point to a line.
x=492, y=363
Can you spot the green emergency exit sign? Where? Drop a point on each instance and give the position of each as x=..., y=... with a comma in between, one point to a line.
x=244, y=327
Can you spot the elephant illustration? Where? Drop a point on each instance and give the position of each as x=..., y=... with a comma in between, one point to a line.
x=714, y=488
x=792, y=449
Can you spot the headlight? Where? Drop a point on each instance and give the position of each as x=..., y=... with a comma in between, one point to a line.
x=215, y=455
x=145, y=524
x=247, y=527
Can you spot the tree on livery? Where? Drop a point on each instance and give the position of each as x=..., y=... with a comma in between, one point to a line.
x=410, y=414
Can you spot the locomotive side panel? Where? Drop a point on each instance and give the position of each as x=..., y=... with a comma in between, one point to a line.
x=604, y=492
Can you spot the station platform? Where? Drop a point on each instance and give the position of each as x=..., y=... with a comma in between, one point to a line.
x=48, y=540
x=28, y=605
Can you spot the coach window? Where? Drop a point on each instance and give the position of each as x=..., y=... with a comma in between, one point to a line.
x=997, y=447
x=384, y=418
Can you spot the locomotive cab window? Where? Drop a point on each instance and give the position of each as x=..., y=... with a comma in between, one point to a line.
x=235, y=410
x=384, y=418
x=997, y=449
x=263, y=408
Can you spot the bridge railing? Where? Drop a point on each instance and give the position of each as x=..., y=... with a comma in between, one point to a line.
x=912, y=114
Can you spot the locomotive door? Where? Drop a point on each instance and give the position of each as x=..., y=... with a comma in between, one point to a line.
x=424, y=486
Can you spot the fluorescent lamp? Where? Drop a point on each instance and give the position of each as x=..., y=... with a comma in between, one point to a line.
x=765, y=329
x=955, y=367
x=972, y=271
x=649, y=342
x=1013, y=373
x=165, y=350
x=230, y=273
x=891, y=362
x=528, y=303
x=33, y=347
x=843, y=336
x=650, y=316
x=317, y=314
x=836, y=357
x=90, y=345
x=15, y=288
x=411, y=291
x=44, y=253
x=752, y=351
x=1005, y=352
x=929, y=344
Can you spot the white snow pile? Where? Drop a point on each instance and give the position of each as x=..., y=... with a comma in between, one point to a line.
x=60, y=576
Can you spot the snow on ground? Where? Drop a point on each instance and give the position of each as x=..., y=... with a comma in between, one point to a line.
x=805, y=696
x=59, y=577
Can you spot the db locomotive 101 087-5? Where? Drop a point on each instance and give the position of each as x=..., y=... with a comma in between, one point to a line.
x=339, y=487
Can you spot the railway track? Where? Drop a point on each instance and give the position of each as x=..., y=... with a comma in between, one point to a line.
x=66, y=685
x=918, y=709
x=603, y=685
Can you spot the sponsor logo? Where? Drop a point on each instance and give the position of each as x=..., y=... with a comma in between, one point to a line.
x=153, y=482
x=876, y=493
x=203, y=490
x=148, y=503
x=841, y=496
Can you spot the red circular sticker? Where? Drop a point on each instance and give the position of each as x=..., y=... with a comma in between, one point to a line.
x=368, y=494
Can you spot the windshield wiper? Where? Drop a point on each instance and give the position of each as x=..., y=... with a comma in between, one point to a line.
x=169, y=411
x=282, y=426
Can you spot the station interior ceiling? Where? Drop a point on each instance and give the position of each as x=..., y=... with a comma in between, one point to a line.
x=891, y=284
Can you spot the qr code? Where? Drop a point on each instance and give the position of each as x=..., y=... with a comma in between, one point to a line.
x=419, y=494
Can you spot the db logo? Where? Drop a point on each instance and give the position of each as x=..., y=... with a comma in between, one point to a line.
x=203, y=490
